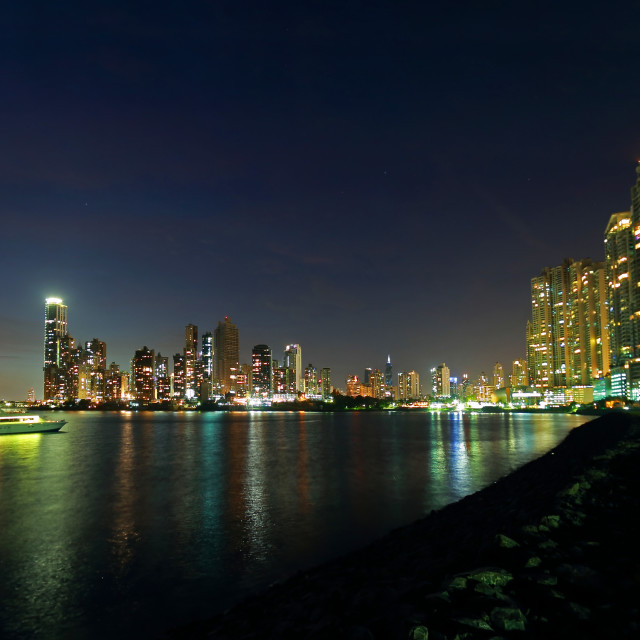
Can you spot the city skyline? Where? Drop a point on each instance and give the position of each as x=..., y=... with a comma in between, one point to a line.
x=362, y=179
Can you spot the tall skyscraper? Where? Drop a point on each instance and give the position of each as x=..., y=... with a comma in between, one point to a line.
x=261, y=362
x=519, y=376
x=293, y=363
x=567, y=338
x=163, y=378
x=55, y=329
x=325, y=382
x=142, y=370
x=388, y=373
x=226, y=354
x=440, y=384
x=190, y=357
x=620, y=255
x=207, y=355
x=311, y=380
x=498, y=375
x=408, y=385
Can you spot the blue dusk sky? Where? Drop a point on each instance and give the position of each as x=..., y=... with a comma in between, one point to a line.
x=362, y=178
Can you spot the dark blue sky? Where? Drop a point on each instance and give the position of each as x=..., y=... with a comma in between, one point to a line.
x=361, y=178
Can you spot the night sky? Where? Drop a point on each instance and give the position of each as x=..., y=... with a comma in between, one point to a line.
x=363, y=178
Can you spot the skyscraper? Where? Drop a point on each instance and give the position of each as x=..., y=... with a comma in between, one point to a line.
x=440, y=381
x=293, y=363
x=325, y=382
x=261, y=362
x=567, y=338
x=142, y=370
x=311, y=380
x=519, y=374
x=55, y=329
x=226, y=354
x=620, y=255
x=498, y=375
x=190, y=357
x=388, y=373
x=207, y=355
x=408, y=385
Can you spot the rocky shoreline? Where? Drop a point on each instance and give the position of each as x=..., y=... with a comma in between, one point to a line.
x=550, y=551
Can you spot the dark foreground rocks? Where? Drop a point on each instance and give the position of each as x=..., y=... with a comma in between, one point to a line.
x=551, y=551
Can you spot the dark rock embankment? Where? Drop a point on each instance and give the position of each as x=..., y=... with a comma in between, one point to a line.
x=550, y=551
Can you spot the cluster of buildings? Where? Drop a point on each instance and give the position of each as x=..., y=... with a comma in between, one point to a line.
x=206, y=369
x=583, y=344
x=583, y=339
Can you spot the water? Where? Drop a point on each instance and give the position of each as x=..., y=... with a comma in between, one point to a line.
x=130, y=524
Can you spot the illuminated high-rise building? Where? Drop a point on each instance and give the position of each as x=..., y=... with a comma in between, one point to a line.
x=142, y=371
x=311, y=380
x=55, y=328
x=567, y=338
x=226, y=354
x=353, y=386
x=498, y=375
x=519, y=376
x=163, y=378
x=619, y=245
x=388, y=373
x=325, y=382
x=408, y=385
x=207, y=355
x=440, y=385
x=293, y=364
x=377, y=381
x=179, y=386
x=261, y=363
x=190, y=358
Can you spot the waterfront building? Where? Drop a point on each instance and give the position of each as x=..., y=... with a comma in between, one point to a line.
x=293, y=363
x=367, y=375
x=519, y=376
x=207, y=355
x=55, y=329
x=179, y=386
x=408, y=385
x=325, y=382
x=142, y=370
x=440, y=377
x=377, y=382
x=113, y=383
x=311, y=380
x=163, y=378
x=95, y=359
x=190, y=358
x=261, y=365
x=226, y=354
x=279, y=378
x=353, y=386
x=466, y=388
x=388, y=373
x=498, y=375
x=568, y=338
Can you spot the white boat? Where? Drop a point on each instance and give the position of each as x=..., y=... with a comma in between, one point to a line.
x=25, y=423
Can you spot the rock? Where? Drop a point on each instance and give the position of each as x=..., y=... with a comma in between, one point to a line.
x=504, y=542
x=508, y=619
x=551, y=522
x=532, y=562
x=457, y=583
x=491, y=576
x=474, y=623
x=419, y=633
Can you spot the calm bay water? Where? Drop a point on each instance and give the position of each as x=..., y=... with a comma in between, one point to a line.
x=130, y=524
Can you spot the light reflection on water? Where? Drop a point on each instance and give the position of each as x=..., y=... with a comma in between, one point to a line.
x=127, y=524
